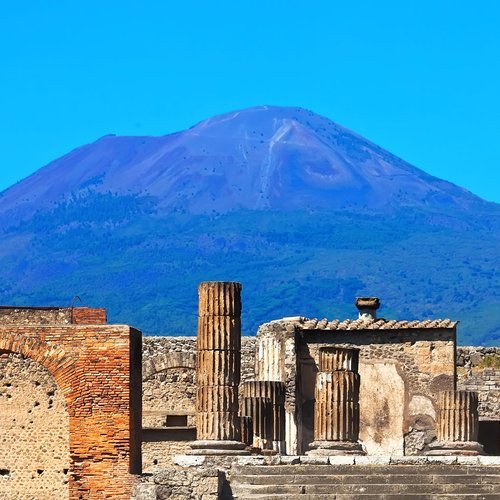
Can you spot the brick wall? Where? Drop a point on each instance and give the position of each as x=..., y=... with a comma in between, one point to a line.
x=88, y=316
x=95, y=369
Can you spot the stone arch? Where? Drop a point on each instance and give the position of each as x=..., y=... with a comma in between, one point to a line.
x=55, y=359
x=169, y=387
x=58, y=364
x=167, y=361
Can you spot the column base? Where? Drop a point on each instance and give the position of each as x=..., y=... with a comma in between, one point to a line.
x=214, y=447
x=330, y=448
x=470, y=448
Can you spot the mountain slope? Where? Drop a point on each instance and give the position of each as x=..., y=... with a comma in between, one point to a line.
x=304, y=212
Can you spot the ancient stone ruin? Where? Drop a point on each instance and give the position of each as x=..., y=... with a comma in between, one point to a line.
x=91, y=410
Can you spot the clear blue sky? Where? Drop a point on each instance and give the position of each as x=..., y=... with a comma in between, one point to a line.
x=419, y=78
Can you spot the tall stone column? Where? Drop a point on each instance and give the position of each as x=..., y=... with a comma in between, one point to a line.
x=218, y=363
x=274, y=392
x=336, y=407
x=457, y=424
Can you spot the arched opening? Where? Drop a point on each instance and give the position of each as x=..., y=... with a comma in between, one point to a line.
x=169, y=394
x=34, y=431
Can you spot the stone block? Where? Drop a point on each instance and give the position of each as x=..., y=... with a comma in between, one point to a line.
x=437, y=459
x=189, y=460
x=409, y=460
x=373, y=460
x=487, y=460
x=289, y=459
x=341, y=460
x=465, y=460
x=144, y=491
x=251, y=460
x=314, y=460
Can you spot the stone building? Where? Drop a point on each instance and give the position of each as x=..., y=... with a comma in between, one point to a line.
x=73, y=424
x=403, y=367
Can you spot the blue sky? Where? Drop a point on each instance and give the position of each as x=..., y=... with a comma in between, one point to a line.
x=419, y=78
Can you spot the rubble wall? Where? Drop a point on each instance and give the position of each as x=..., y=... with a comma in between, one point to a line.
x=34, y=432
x=169, y=390
x=478, y=369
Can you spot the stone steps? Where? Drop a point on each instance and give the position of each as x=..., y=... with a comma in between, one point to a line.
x=274, y=479
x=398, y=496
x=365, y=482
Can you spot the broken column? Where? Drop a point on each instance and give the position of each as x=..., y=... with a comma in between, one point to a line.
x=457, y=424
x=218, y=360
x=268, y=399
x=336, y=407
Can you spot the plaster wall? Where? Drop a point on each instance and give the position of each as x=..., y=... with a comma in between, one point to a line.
x=396, y=368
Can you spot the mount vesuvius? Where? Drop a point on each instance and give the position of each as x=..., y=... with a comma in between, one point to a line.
x=304, y=212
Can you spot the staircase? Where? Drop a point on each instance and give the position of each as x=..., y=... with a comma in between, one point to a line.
x=342, y=482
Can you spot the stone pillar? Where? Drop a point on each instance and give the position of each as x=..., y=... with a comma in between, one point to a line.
x=218, y=361
x=457, y=424
x=275, y=393
x=336, y=407
x=260, y=411
x=246, y=427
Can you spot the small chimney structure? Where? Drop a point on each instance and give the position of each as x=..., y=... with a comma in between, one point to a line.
x=367, y=307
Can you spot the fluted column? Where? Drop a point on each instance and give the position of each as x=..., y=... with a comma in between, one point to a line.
x=274, y=392
x=336, y=408
x=246, y=426
x=260, y=411
x=218, y=364
x=457, y=424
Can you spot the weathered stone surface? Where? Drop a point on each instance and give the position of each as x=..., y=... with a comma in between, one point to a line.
x=382, y=399
x=34, y=431
x=336, y=358
x=197, y=483
x=479, y=371
x=212, y=425
x=219, y=333
x=97, y=368
x=216, y=398
x=275, y=392
x=188, y=460
x=218, y=368
x=457, y=418
x=341, y=460
x=246, y=426
x=336, y=410
x=260, y=410
x=417, y=353
x=218, y=363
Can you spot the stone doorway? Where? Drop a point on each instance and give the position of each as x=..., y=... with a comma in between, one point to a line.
x=489, y=436
x=34, y=431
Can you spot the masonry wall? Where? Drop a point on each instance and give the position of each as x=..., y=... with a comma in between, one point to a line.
x=169, y=391
x=52, y=316
x=478, y=369
x=401, y=375
x=34, y=432
x=92, y=367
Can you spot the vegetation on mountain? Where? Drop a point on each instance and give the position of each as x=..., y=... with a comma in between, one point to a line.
x=426, y=247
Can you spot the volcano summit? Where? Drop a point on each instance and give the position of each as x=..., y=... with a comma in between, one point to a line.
x=304, y=212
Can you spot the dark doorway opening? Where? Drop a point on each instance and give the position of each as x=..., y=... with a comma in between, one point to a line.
x=489, y=436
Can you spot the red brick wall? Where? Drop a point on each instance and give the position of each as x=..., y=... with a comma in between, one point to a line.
x=88, y=316
x=99, y=371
